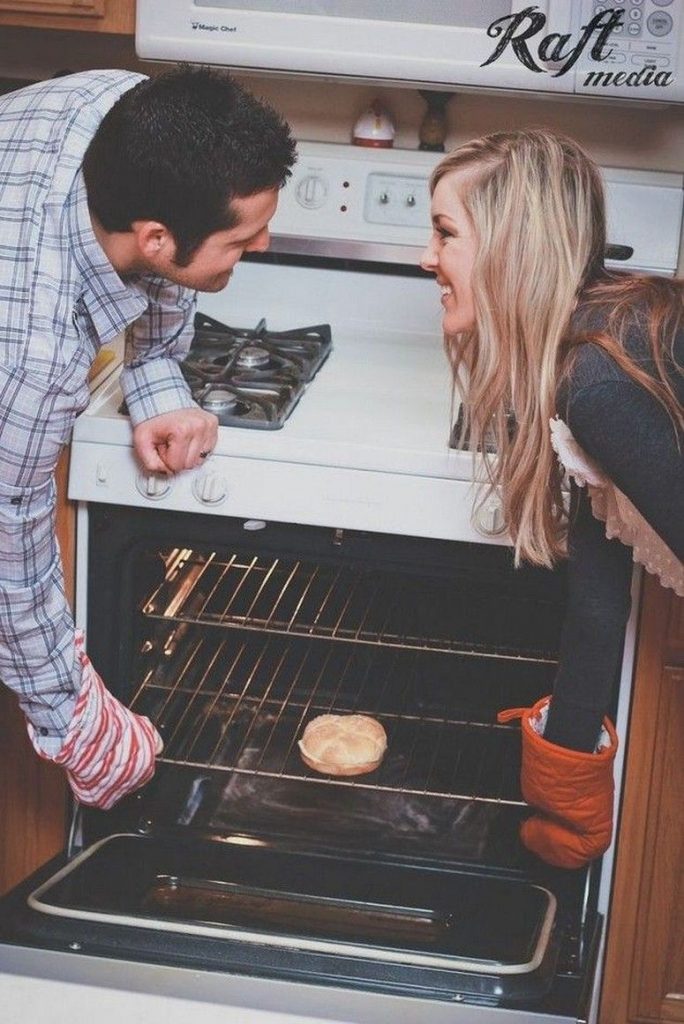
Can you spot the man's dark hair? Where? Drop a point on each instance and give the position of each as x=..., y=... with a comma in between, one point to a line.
x=178, y=148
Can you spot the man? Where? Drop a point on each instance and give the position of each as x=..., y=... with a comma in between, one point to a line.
x=120, y=197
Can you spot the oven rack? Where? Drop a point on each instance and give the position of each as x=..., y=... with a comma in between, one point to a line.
x=352, y=604
x=239, y=702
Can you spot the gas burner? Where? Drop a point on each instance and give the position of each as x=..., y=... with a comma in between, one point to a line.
x=252, y=377
x=252, y=357
x=220, y=402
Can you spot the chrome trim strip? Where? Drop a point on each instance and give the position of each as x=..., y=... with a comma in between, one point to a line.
x=348, y=249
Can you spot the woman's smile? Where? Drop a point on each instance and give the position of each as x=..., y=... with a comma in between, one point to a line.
x=450, y=254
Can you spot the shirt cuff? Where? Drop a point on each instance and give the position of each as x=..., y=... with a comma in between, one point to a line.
x=48, y=724
x=154, y=388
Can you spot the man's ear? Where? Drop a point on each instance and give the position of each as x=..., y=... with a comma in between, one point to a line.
x=153, y=240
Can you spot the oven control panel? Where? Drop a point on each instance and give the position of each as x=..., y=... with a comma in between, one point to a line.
x=263, y=490
x=349, y=193
x=397, y=199
x=375, y=204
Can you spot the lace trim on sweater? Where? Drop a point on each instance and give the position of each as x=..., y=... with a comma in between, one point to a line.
x=614, y=508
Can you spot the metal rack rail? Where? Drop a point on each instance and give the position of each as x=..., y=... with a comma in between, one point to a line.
x=238, y=701
x=357, y=605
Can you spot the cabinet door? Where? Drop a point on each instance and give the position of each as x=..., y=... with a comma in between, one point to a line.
x=644, y=970
x=76, y=8
x=33, y=793
x=78, y=15
x=659, y=961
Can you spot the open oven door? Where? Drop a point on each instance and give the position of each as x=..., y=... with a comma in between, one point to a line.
x=241, y=865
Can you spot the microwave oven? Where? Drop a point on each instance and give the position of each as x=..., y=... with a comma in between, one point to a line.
x=625, y=49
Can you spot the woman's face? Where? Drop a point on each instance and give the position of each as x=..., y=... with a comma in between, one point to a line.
x=450, y=253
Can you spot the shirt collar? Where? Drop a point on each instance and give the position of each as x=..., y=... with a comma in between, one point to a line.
x=112, y=303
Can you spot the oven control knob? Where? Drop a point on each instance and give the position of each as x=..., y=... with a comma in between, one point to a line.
x=312, y=191
x=210, y=488
x=490, y=517
x=153, y=485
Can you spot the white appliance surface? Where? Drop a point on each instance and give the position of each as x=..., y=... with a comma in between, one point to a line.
x=62, y=988
x=443, y=44
x=58, y=1002
x=380, y=401
x=377, y=415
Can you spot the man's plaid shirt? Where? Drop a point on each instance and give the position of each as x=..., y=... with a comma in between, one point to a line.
x=60, y=300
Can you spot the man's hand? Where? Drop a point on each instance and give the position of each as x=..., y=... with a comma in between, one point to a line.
x=176, y=440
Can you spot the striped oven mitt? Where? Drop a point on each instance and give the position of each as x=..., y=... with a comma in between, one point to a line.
x=108, y=751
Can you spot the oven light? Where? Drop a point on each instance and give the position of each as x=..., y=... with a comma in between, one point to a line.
x=254, y=524
x=239, y=840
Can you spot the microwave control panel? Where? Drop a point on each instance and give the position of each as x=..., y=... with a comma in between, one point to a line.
x=642, y=55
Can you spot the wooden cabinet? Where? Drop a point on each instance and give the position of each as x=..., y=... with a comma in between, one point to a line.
x=82, y=15
x=644, y=971
x=33, y=793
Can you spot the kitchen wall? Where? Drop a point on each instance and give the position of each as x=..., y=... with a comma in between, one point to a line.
x=621, y=136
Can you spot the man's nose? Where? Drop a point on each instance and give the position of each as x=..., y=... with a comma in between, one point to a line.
x=261, y=242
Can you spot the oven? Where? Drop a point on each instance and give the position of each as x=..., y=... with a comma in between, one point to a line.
x=325, y=560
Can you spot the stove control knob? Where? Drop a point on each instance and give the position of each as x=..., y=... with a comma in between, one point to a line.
x=153, y=485
x=312, y=191
x=210, y=488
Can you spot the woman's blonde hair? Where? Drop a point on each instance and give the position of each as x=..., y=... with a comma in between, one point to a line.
x=536, y=203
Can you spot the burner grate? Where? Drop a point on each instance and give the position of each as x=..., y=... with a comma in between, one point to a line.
x=252, y=377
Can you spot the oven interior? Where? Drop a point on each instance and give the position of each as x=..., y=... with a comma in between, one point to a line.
x=231, y=636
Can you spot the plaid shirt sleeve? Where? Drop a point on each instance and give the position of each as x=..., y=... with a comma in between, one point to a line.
x=60, y=299
x=36, y=630
x=151, y=380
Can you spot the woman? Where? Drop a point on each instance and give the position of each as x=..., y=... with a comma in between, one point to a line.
x=570, y=367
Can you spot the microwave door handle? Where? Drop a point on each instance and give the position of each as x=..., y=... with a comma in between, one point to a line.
x=559, y=16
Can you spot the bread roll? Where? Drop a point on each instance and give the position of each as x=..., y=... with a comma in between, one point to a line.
x=343, y=744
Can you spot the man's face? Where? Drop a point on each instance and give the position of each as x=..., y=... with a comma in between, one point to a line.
x=212, y=264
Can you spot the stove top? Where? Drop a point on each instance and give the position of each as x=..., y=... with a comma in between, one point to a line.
x=252, y=377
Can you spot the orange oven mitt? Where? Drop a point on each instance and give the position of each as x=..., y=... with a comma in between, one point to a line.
x=572, y=789
x=108, y=751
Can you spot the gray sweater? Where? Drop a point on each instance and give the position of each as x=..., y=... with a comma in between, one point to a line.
x=623, y=428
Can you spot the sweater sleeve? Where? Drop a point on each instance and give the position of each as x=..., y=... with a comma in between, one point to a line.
x=599, y=577
x=623, y=428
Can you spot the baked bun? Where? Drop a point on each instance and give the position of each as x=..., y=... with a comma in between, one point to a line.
x=343, y=744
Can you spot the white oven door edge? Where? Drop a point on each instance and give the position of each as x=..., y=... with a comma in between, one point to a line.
x=79, y=987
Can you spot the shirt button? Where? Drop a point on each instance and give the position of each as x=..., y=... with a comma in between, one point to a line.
x=43, y=731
